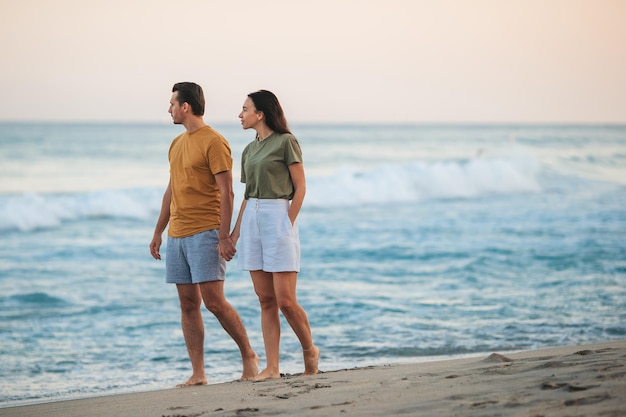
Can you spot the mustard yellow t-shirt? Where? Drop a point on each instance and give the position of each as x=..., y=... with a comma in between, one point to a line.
x=195, y=158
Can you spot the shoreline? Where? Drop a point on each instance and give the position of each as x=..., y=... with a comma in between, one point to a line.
x=558, y=381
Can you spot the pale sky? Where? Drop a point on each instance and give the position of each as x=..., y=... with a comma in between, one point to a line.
x=482, y=61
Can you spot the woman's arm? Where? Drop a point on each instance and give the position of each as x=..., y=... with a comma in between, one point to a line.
x=296, y=170
x=237, y=229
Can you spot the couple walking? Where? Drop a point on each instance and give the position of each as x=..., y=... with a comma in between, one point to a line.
x=198, y=206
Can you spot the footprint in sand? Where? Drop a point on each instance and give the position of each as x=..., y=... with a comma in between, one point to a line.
x=587, y=400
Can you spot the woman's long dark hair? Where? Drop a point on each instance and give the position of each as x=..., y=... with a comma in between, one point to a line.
x=266, y=102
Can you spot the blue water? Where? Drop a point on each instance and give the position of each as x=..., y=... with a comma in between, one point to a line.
x=418, y=242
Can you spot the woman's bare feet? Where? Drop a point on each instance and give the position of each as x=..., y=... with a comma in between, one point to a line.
x=268, y=374
x=311, y=360
x=191, y=382
x=250, y=369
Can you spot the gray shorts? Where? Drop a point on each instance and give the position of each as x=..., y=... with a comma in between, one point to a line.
x=194, y=259
x=268, y=240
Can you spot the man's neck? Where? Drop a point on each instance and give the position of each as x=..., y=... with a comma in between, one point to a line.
x=194, y=123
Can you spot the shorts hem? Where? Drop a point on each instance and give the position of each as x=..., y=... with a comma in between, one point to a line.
x=194, y=282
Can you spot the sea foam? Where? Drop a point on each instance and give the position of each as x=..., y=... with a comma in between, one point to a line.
x=349, y=185
x=31, y=211
x=416, y=181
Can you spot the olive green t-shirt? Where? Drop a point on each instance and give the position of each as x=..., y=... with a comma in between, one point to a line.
x=265, y=166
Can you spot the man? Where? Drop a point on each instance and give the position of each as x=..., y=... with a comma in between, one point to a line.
x=198, y=205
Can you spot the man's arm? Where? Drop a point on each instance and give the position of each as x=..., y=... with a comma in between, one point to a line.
x=224, y=181
x=164, y=218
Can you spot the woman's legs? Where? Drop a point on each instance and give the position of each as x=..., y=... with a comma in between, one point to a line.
x=278, y=291
x=270, y=322
x=285, y=292
x=272, y=242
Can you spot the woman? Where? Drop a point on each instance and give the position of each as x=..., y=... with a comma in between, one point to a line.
x=271, y=168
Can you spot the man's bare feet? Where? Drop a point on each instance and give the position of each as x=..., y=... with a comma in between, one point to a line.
x=268, y=374
x=191, y=382
x=311, y=360
x=250, y=369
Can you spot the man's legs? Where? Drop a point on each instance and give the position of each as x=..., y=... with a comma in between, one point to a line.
x=215, y=301
x=193, y=331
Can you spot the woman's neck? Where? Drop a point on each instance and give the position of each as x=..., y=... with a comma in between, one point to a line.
x=263, y=133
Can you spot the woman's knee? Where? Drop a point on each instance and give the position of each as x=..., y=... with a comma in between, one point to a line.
x=266, y=296
x=287, y=305
x=267, y=301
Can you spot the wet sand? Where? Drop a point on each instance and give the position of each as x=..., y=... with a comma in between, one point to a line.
x=562, y=381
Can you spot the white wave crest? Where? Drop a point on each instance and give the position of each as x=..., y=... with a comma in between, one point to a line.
x=417, y=181
x=31, y=211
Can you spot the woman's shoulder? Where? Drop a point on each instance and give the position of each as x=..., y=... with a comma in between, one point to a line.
x=290, y=145
x=248, y=146
x=286, y=137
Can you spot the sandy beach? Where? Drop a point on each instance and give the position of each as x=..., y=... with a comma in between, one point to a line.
x=585, y=380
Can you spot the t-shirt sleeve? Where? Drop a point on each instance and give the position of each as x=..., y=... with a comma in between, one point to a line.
x=243, y=162
x=293, y=153
x=169, y=152
x=219, y=156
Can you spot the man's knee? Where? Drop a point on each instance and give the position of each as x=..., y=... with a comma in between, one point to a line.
x=214, y=299
x=189, y=303
x=216, y=306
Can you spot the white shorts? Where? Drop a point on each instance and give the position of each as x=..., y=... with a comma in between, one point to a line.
x=268, y=241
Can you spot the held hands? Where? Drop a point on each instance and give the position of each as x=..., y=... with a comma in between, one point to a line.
x=226, y=248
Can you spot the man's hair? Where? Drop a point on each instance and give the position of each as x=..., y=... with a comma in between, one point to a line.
x=192, y=94
x=266, y=102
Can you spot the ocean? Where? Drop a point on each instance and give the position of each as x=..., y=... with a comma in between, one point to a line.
x=419, y=242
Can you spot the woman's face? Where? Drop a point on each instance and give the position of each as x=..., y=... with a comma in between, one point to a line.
x=249, y=116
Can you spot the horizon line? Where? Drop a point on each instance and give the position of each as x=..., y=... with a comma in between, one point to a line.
x=329, y=123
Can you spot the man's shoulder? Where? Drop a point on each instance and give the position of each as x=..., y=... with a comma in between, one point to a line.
x=212, y=137
x=176, y=141
x=179, y=137
x=210, y=132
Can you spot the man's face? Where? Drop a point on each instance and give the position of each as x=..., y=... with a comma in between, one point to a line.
x=176, y=110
